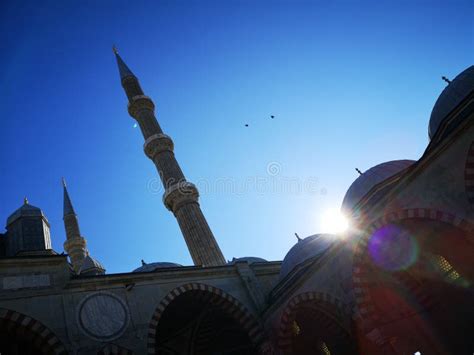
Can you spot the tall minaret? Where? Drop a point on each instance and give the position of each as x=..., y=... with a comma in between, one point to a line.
x=181, y=196
x=75, y=244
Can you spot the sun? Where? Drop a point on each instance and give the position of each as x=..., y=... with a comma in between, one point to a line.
x=333, y=221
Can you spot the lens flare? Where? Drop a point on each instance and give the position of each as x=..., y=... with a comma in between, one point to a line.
x=333, y=221
x=393, y=248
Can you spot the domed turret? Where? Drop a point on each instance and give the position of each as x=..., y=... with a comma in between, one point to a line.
x=155, y=266
x=452, y=95
x=249, y=259
x=305, y=249
x=27, y=231
x=26, y=210
x=366, y=181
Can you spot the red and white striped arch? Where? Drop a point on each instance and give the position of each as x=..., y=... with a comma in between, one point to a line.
x=219, y=298
x=338, y=309
x=365, y=313
x=38, y=333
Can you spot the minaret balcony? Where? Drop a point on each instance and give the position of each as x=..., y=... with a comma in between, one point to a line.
x=139, y=103
x=180, y=194
x=156, y=144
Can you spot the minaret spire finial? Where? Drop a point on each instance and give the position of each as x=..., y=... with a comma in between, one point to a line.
x=25, y=200
x=68, y=209
x=124, y=70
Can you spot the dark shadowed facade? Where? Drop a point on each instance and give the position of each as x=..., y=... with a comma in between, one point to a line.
x=399, y=282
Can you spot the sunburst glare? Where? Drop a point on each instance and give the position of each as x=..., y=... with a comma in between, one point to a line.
x=333, y=221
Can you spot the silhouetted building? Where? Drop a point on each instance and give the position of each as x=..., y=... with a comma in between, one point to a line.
x=398, y=282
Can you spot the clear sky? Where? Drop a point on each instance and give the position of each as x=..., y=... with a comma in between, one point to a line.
x=350, y=83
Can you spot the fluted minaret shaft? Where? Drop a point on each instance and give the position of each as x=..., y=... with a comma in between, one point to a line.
x=75, y=245
x=180, y=197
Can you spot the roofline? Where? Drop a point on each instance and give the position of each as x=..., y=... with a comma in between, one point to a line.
x=434, y=148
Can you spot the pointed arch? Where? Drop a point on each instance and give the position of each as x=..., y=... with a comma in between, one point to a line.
x=333, y=316
x=43, y=338
x=225, y=302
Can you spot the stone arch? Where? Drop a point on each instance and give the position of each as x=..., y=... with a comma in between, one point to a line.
x=114, y=349
x=36, y=332
x=334, y=316
x=227, y=303
x=365, y=312
x=469, y=174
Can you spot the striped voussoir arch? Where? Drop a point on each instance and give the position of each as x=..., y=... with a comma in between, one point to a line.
x=362, y=266
x=469, y=174
x=339, y=311
x=217, y=297
x=38, y=334
x=114, y=349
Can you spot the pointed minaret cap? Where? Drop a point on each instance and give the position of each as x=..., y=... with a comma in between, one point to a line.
x=68, y=209
x=123, y=69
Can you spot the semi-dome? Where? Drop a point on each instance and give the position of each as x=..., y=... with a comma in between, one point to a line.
x=305, y=249
x=91, y=265
x=249, y=259
x=452, y=95
x=26, y=210
x=366, y=181
x=148, y=267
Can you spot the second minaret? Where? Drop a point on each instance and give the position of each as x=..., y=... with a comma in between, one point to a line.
x=181, y=196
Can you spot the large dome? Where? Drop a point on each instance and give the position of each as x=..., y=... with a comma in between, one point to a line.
x=451, y=96
x=365, y=182
x=155, y=266
x=305, y=249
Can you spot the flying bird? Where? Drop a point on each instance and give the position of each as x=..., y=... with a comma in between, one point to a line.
x=246, y=125
x=272, y=116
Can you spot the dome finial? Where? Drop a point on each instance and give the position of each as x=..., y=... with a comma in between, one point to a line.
x=143, y=262
x=298, y=237
x=446, y=79
x=25, y=200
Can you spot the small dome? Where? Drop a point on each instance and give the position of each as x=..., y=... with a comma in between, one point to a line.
x=452, y=95
x=374, y=176
x=249, y=259
x=90, y=264
x=305, y=249
x=26, y=210
x=155, y=266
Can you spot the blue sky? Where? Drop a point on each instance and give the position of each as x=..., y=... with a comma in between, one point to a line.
x=350, y=83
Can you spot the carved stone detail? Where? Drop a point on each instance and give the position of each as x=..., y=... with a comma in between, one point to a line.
x=157, y=143
x=103, y=316
x=180, y=193
x=139, y=103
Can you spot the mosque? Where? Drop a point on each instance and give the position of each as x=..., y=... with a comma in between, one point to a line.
x=399, y=282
